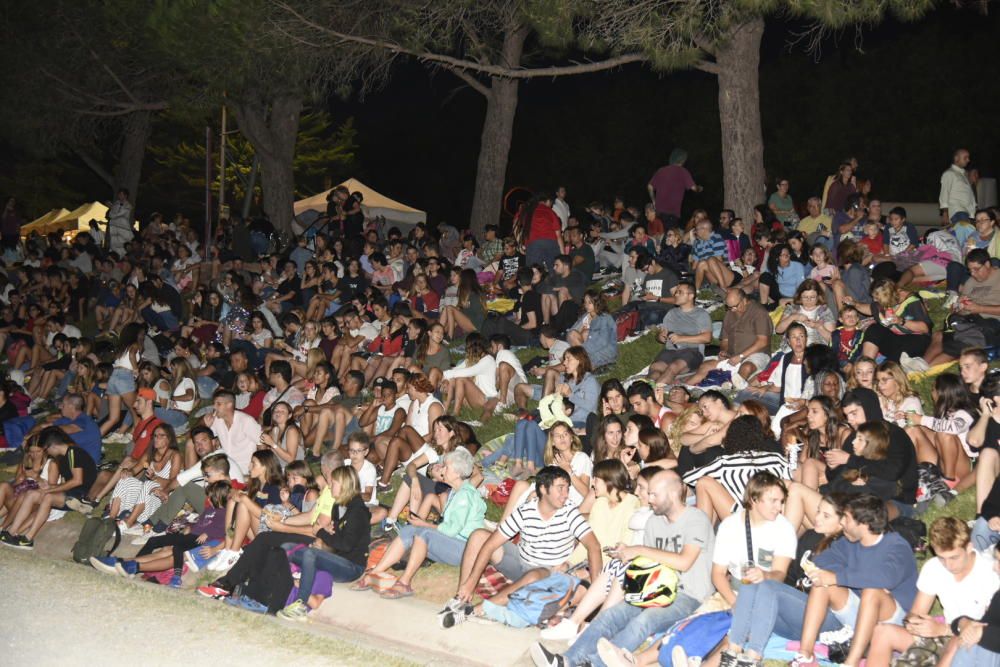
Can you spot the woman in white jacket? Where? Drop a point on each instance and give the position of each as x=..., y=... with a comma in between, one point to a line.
x=474, y=380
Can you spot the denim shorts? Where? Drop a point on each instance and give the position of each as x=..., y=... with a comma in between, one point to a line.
x=121, y=382
x=849, y=614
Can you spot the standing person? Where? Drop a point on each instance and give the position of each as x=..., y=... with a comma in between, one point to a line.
x=120, y=222
x=560, y=207
x=10, y=221
x=677, y=536
x=957, y=200
x=544, y=229
x=667, y=187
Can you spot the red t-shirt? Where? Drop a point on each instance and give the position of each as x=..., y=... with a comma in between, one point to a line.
x=670, y=184
x=256, y=405
x=142, y=435
x=875, y=245
x=545, y=224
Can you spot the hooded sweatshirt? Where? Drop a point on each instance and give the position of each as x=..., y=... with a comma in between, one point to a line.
x=900, y=463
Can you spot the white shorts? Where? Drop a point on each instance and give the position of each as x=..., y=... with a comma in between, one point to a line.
x=849, y=614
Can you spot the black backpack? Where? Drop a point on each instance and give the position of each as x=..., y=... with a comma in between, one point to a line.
x=97, y=533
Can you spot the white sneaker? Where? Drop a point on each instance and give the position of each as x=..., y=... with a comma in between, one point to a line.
x=837, y=636
x=950, y=299
x=224, y=560
x=562, y=631
x=134, y=529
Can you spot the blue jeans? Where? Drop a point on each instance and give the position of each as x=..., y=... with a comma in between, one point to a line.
x=543, y=251
x=206, y=386
x=310, y=560
x=984, y=537
x=767, y=608
x=529, y=442
x=975, y=656
x=506, y=449
x=771, y=400
x=440, y=548
x=175, y=418
x=628, y=627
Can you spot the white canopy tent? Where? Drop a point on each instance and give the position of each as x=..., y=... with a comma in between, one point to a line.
x=375, y=205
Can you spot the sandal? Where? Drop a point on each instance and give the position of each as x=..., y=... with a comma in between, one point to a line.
x=397, y=591
x=362, y=584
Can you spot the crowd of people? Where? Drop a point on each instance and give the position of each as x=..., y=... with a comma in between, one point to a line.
x=277, y=406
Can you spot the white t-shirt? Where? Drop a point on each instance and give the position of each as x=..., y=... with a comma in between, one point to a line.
x=968, y=597
x=545, y=543
x=186, y=385
x=557, y=351
x=508, y=357
x=425, y=450
x=368, y=476
x=771, y=539
x=580, y=465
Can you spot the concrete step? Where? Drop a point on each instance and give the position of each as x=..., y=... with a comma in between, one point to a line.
x=411, y=625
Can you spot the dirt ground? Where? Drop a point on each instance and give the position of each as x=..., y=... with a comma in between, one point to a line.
x=60, y=613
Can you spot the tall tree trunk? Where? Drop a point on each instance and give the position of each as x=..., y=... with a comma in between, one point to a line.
x=494, y=142
x=136, y=129
x=494, y=149
x=272, y=127
x=739, y=115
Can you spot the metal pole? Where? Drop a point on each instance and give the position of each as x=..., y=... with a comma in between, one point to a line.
x=222, y=165
x=208, y=189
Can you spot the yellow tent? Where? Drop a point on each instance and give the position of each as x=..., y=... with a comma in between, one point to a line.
x=375, y=205
x=38, y=225
x=70, y=222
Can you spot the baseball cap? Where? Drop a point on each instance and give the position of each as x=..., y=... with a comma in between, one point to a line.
x=382, y=383
x=147, y=394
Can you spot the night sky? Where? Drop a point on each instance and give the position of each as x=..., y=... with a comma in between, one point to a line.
x=902, y=105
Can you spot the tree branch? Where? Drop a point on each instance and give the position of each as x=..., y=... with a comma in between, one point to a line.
x=706, y=66
x=454, y=64
x=95, y=166
x=472, y=81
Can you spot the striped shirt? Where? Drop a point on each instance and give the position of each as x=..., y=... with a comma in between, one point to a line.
x=714, y=246
x=545, y=543
x=733, y=471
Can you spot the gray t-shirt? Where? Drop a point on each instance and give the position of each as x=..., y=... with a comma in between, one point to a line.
x=692, y=527
x=690, y=323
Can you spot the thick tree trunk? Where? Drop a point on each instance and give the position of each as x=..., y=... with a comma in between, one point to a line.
x=494, y=148
x=494, y=143
x=739, y=115
x=136, y=129
x=272, y=127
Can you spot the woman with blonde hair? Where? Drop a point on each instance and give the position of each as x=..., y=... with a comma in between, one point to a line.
x=340, y=550
x=895, y=395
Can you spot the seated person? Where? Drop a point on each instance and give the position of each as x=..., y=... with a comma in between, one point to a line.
x=443, y=543
x=961, y=578
x=847, y=592
x=685, y=331
x=677, y=536
x=975, y=642
x=745, y=342
x=78, y=472
x=549, y=530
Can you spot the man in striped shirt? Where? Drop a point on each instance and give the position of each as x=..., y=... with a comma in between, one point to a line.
x=549, y=529
x=710, y=257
